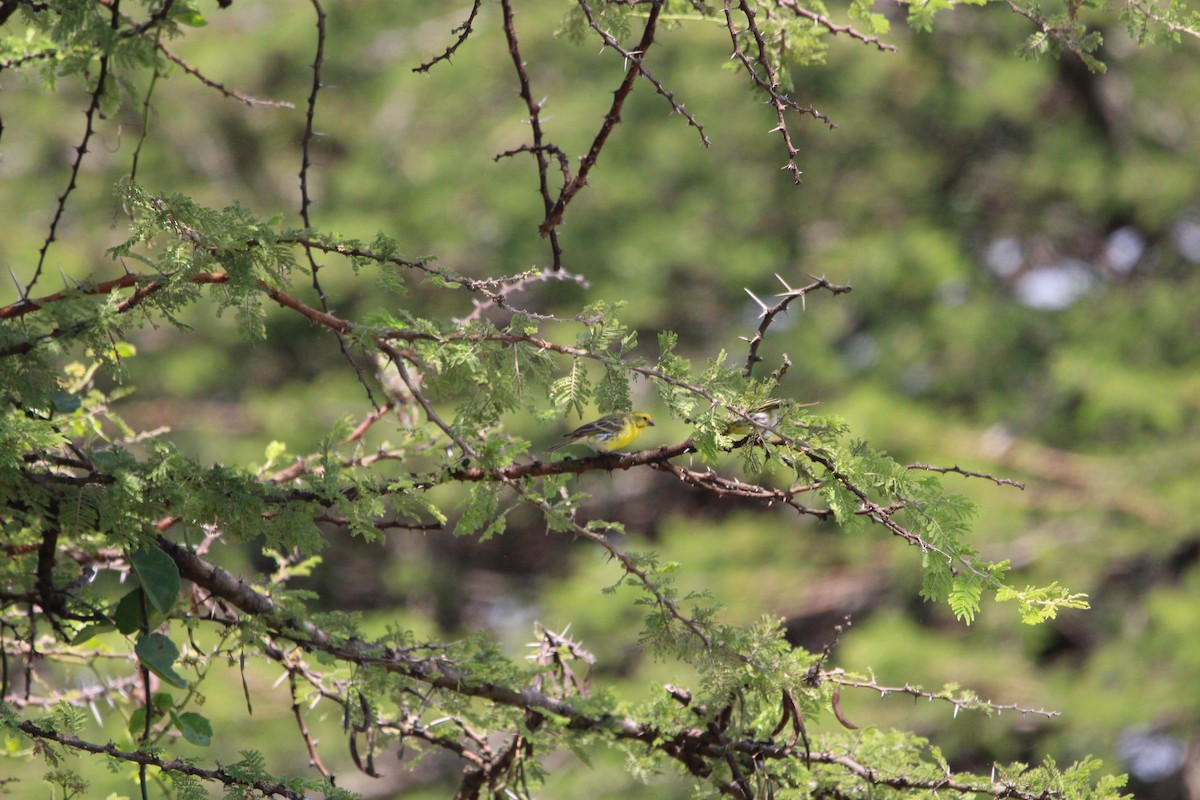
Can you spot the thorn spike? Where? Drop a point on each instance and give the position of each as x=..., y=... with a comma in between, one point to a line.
x=20, y=289
x=754, y=297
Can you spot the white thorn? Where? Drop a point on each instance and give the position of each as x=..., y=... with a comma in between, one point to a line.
x=765, y=308
x=20, y=291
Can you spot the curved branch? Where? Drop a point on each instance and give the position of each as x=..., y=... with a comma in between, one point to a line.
x=464, y=30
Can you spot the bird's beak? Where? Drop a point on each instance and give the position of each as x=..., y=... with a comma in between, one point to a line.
x=650, y=422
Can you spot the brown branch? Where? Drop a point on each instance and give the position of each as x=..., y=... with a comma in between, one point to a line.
x=637, y=54
x=80, y=150
x=839, y=677
x=967, y=474
x=230, y=93
x=635, y=59
x=721, y=486
x=769, y=313
x=535, y=126
x=314, y=758
x=154, y=19
x=834, y=28
x=310, y=111
x=463, y=32
x=129, y=280
x=768, y=81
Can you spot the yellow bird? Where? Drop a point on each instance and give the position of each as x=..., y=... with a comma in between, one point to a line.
x=609, y=433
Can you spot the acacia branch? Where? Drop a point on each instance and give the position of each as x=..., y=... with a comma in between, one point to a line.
x=636, y=55
x=966, y=473
x=765, y=76
x=769, y=313
x=220, y=87
x=880, y=514
x=539, y=146
x=838, y=677
x=80, y=151
x=829, y=25
x=696, y=749
x=1173, y=27
x=464, y=30
x=634, y=59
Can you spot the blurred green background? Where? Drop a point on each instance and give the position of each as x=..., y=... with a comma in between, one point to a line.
x=1023, y=238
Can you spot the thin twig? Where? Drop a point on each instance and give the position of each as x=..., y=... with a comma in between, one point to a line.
x=143, y=758
x=464, y=30
x=210, y=83
x=81, y=150
x=967, y=474
x=838, y=676
x=834, y=28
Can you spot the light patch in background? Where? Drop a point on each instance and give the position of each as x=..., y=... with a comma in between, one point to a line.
x=1151, y=756
x=1055, y=287
x=1004, y=257
x=861, y=352
x=1186, y=236
x=1123, y=249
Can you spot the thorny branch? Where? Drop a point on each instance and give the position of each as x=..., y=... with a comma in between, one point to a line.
x=696, y=749
x=880, y=514
x=764, y=75
x=80, y=151
x=769, y=313
x=833, y=27
x=635, y=59
x=839, y=677
x=966, y=473
x=636, y=56
x=463, y=31
x=539, y=147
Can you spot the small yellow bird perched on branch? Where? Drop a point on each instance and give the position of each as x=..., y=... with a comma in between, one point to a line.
x=608, y=433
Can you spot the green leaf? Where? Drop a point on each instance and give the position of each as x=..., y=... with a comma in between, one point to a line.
x=964, y=597
x=195, y=727
x=158, y=653
x=92, y=630
x=159, y=576
x=130, y=614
